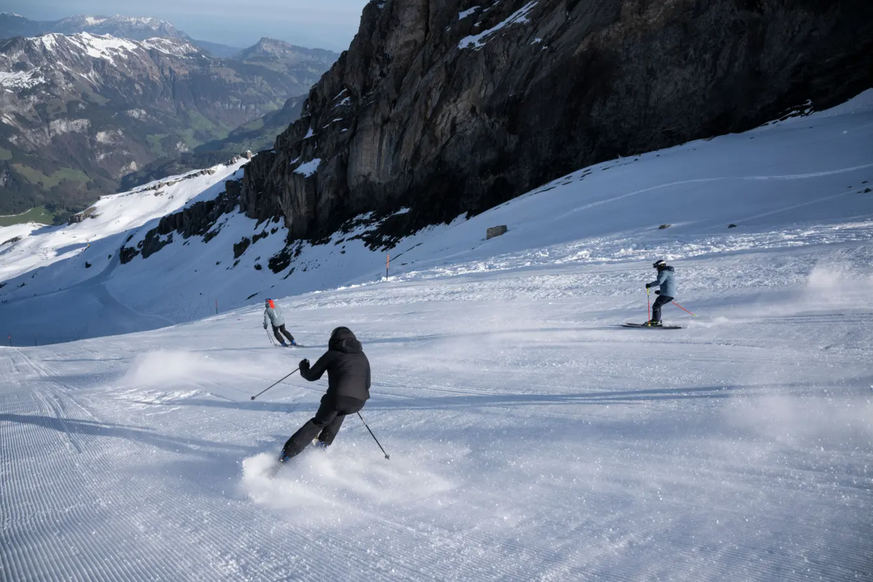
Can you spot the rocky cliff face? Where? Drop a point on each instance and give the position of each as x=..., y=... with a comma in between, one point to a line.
x=454, y=106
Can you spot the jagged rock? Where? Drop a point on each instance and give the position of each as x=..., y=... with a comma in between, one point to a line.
x=87, y=213
x=446, y=115
x=195, y=220
x=495, y=231
x=240, y=247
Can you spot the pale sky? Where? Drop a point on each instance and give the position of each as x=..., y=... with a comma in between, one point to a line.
x=329, y=24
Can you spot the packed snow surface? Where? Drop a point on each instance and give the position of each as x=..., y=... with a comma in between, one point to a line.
x=530, y=437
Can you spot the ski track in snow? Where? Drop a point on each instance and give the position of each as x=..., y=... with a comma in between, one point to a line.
x=531, y=437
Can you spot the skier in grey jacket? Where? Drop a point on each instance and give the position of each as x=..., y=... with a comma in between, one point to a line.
x=272, y=313
x=666, y=292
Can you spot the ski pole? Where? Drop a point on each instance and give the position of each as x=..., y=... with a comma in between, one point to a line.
x=648, y=306
x=372, y=435
x=269, y=336
x=265, y=389
x=682, y=308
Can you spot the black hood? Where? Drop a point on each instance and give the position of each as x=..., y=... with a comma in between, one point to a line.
x=343, y=340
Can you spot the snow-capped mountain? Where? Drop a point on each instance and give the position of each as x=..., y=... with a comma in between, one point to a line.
x=78, y=112
x=128, y=27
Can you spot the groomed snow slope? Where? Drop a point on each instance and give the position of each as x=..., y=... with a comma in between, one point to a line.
x=531, y=438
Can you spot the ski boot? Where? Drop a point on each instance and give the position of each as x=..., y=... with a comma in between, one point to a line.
x=320, y=444
x=284, y=345
x=294, y=343
x=653, y=323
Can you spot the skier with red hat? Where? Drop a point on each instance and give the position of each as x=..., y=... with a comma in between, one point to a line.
x=274, y=316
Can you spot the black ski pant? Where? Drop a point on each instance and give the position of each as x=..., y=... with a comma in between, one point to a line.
x=325, y=424
x=656, y=307
x=277, y=329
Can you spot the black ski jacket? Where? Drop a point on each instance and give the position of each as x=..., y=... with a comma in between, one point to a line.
x=348, y=369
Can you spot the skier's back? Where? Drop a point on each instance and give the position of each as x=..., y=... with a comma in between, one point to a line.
x=348, y=389
x=666, y=282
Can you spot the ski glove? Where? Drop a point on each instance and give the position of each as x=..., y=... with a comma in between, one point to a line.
x=265, y=326
x=304, y=364
x=648, y=285
x=657, y=292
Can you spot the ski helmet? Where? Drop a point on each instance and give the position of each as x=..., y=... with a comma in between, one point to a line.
x=659, y=264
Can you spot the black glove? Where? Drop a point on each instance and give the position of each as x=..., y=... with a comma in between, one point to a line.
x=304, y=364
x=648, y=285
x=657, y=292
x=265, y=326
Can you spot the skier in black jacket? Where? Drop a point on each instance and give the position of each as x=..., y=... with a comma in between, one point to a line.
x=348, y=388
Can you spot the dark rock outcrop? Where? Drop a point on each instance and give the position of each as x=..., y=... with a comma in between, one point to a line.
x=495, y=231
x=197, y=219
x=79, y=217
x=455, y=106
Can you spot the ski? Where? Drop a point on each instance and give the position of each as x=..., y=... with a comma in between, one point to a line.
x=644, y=326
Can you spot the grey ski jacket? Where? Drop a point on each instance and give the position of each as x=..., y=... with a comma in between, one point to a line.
x=272, y=313
x=665, y=281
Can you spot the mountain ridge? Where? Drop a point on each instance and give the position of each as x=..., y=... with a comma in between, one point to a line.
x=105, y=107
x=132, y=28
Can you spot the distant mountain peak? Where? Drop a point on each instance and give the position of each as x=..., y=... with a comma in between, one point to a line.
x=130, y=101
x=267, y=41
x=268, y=47
x=142, y=21
x=134, y=27
x=106, y=46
